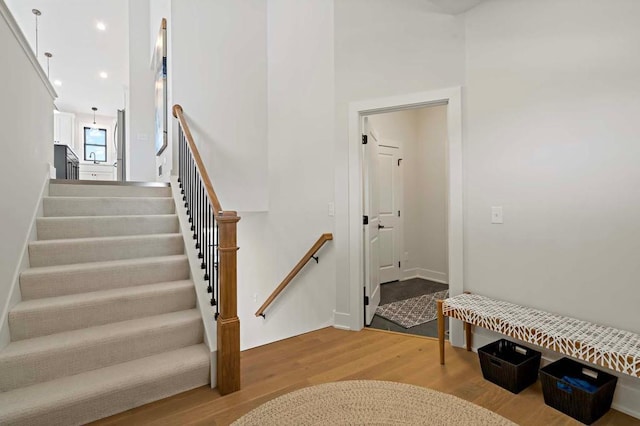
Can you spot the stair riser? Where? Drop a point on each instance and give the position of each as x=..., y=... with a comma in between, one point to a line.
x=66, y=207
x=41, y=367
x=63, y=252
x=93, y=227
x=37, y=286
x=54, y=319
x=94, y=408
x=71, y=190
x=96, y=394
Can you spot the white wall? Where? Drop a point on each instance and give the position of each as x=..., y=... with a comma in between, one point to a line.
x=300, y=110
x=27, y=135
x=422, y=134
x=551, y=134
x=219, y=76
x=141, y=156
x=384, y=48
x=430, y=187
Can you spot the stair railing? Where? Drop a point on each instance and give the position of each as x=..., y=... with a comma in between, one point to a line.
x=310, y=254
x=215, y=238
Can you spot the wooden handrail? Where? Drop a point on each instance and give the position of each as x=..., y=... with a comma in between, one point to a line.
x=228, y=324
x=306, y=258
x=215, y=203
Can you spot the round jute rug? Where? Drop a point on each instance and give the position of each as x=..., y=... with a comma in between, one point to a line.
x=369, y=402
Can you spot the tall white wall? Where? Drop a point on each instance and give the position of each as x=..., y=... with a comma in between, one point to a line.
x=551, y=134
x=27, y=141
x=384, y=48
x=300, y=110
x=422, y=135
x=219, y=76
x=141, y=161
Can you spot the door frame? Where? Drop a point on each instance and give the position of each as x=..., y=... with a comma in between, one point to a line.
x=452, y=97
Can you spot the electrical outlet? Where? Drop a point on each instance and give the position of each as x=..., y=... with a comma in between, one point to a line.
x=255, y=297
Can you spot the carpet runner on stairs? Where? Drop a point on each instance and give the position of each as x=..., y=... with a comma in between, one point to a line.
x=108, y=317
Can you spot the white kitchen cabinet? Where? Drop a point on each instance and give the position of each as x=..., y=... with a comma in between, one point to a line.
x=97, y=172
x=64, y=128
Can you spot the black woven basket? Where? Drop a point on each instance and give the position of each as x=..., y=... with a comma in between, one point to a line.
x=586, y=407
x=509, y=365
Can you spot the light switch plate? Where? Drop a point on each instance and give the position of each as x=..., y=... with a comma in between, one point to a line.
x=496, y=215
x=331, y=209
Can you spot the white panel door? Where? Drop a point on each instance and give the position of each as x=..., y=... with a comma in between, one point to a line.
x=389, y=192
x=371, y=231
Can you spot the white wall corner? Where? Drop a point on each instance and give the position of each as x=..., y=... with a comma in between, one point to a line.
x=15, y=295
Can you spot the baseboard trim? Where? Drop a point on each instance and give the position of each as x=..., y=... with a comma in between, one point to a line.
x=627, y=396
x=425, y=274
x=14, y=292
x=341, y=320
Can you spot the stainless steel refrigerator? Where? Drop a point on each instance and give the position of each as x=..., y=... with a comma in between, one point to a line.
x=121, y=145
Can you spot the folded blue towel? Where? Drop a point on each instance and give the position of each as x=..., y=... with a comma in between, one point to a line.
x=579, y=383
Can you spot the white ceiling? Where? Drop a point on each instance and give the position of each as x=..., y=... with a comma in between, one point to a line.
x=67, y=29
x=455, y=7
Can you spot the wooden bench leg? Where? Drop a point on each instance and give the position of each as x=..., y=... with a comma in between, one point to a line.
x=467, y=335
x=440, y=330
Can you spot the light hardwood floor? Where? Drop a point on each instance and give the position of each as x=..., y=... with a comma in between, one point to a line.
x=330, y=355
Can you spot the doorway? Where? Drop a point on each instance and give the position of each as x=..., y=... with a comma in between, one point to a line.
x=405, y=199
x=363, y=237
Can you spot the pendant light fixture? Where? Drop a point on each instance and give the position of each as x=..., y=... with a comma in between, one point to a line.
x=94, y=109
x=49, y=56
x=37, y=13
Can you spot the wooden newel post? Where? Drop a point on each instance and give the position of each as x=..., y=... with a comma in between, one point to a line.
x=228, y=363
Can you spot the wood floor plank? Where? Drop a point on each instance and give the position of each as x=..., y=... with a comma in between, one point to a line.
x=332, y=355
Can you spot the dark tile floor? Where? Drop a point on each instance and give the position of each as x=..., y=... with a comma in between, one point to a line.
x=401, y=290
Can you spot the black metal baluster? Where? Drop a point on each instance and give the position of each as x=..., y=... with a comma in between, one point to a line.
x=203, y=237
x=216, y=291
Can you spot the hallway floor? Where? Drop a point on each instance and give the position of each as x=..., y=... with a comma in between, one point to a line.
x=329, y=355
x=402, y=290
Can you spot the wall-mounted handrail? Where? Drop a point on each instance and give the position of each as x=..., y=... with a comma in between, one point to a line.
x=215, y=238
x=306, y=258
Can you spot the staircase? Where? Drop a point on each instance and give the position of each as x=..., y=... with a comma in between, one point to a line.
x=108, y=318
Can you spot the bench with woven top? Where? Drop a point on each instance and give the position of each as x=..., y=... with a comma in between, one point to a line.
x=615, y=349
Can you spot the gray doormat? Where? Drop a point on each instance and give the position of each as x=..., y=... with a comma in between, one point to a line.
x=415, y=311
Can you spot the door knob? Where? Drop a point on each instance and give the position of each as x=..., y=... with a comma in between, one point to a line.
x=380, y=226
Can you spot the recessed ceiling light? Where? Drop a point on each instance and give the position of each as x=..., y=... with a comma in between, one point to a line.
x=101, y=26
x=57, y=83
x=104, y=75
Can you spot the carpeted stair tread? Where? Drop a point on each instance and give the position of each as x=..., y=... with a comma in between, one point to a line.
x=62, y=280
x=83, y=250
x=40, y=359
x=106, y=206
x=40, y=317
x=52, y=228
x=91, y=189
x=99, y=393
